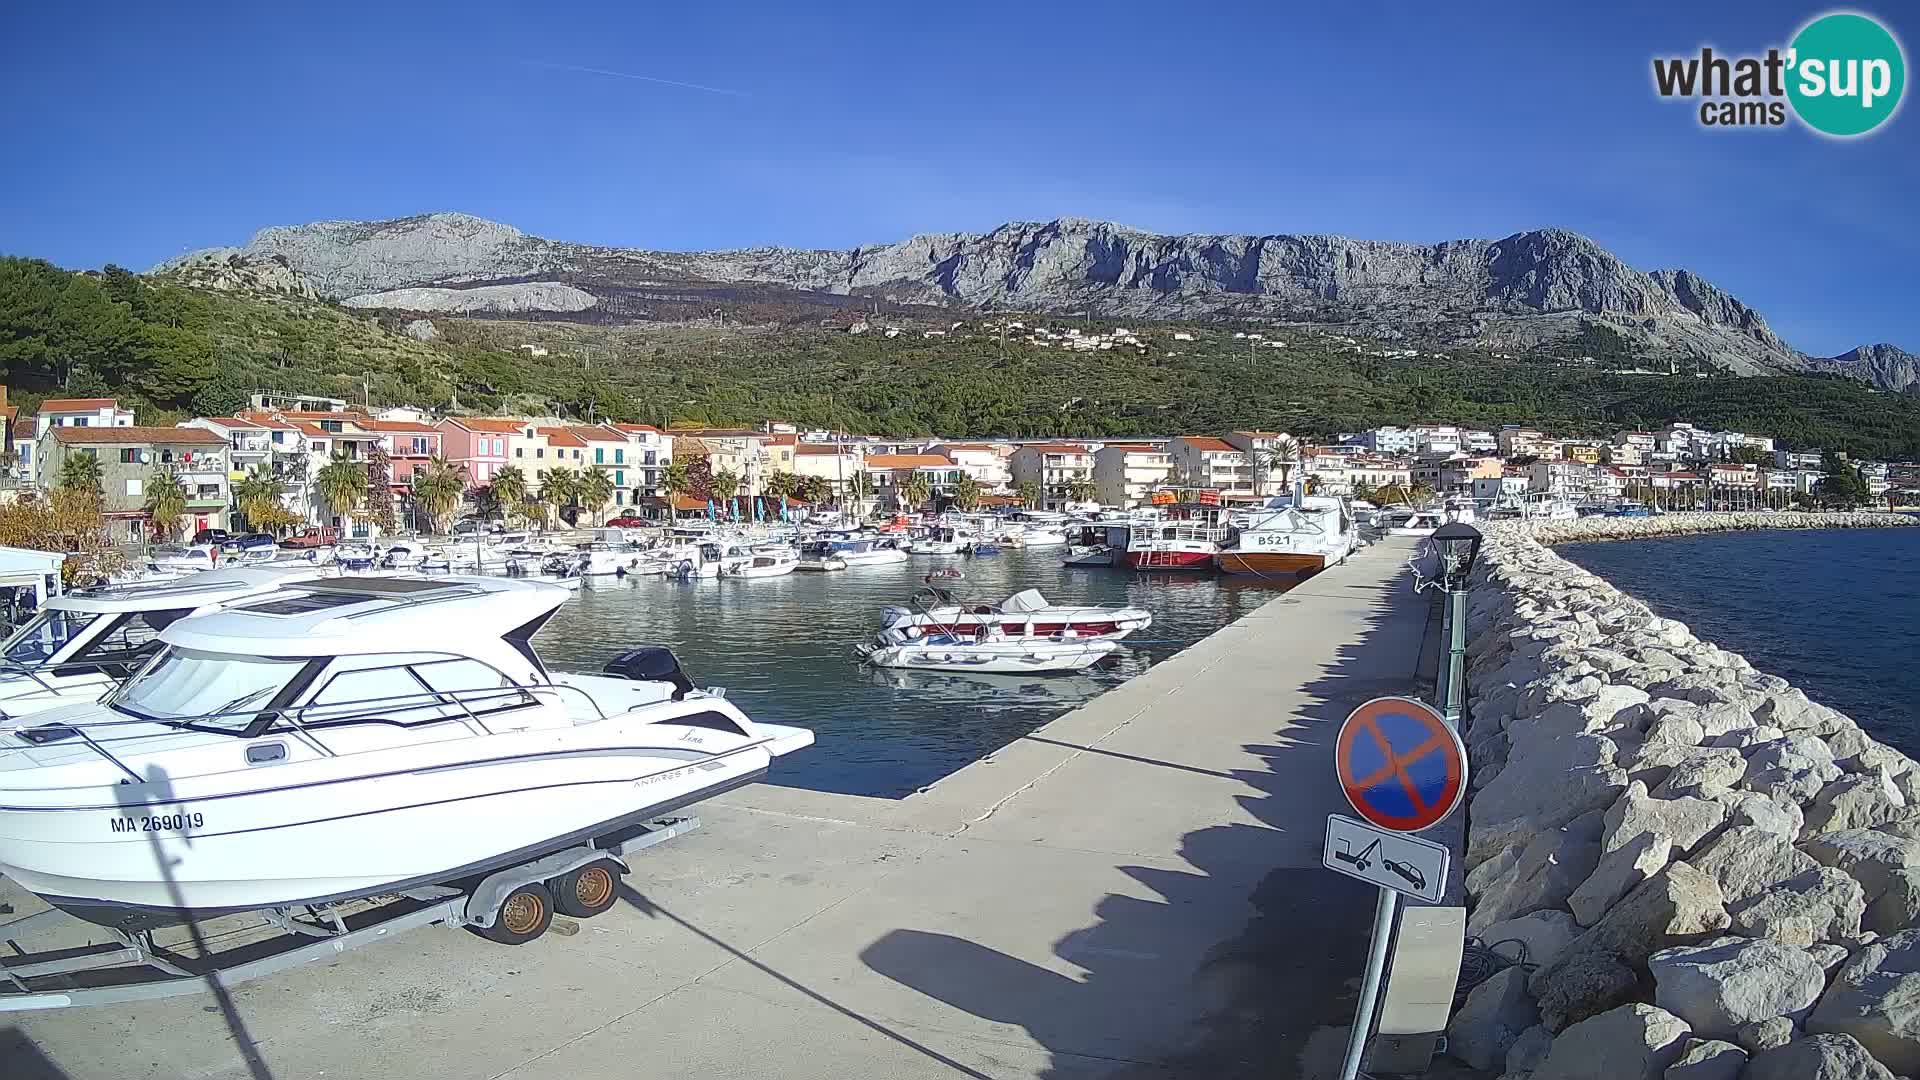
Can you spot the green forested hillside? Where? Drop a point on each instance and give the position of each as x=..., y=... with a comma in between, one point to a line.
x=175, y=351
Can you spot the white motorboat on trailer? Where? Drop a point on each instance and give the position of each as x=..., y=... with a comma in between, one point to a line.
x=81, y=644
x=349, y=738
x=1027, y=613
x=987, y=651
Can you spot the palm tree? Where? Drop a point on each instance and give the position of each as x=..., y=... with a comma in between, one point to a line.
x=342, y=484
x=437, y=489
x=81, y=472
x=859, y=487
x=816, y=489
x=558, y=487
x=257, y=491
x=1283, y=455
x=510, y=487
x=1030, y=492
x=782, y=484
x=726, y=484
x=1082, y=490
x=595, y=488
x=166, y=501
x=966, y=492
x=913, y=494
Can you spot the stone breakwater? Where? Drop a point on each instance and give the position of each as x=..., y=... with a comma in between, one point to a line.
x=1710, y=875
x=1684, y=524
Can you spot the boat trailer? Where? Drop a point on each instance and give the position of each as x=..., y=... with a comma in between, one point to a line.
x=505, y=906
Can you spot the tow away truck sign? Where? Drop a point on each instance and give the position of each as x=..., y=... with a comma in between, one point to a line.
x=1391, y=860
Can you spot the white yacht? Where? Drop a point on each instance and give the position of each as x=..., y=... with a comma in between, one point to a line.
x=941, y=540
x=83, y=643
x=354, y=737
x=764, y=561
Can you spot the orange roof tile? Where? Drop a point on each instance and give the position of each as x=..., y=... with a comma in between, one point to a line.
x=1207, y=442
x=489, y=424
x=556, y=436
x=230, y=421
x=637, y=428
x=908, y=461
x=176, y=436
x=597, y=433
x=79, y=404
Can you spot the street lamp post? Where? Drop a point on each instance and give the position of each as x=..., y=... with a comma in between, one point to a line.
x=1457, y=547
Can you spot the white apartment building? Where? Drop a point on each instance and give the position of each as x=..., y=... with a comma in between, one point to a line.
x=1513, y=441
x=1568, y=479
x=1479, y=442
x=1503, y=490
x=985, y=462
x=1205, y=462
x=1056, y=466
x=1390, y=440
x=1438, y=439
x=1127, y=474
x=1792, y=459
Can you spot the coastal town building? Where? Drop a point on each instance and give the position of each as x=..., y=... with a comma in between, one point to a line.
x=1512, y=441
x=476, y=445
x=892, y=473
x=985, y=462
x=81, y=412
x=1562, y=479
x=1127, y=474
x=1202, y=461
x=1063, y=470
x=835, y=463
x=128, y=455
x=1388, y=440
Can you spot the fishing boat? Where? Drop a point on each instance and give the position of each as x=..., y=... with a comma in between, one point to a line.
x=1187, y=538
x=933, y=609
x=987, y=651
x=351, y=738
x=1288, y=537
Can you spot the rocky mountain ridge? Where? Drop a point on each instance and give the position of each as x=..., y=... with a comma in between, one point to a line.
x=1885, y=366
x=1520, y=290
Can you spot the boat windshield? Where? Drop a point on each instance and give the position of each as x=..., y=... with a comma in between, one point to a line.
x=217, y=691
x=46, y=634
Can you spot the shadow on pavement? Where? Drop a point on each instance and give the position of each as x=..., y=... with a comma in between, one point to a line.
x=1271, y=1001
x=21, y=1059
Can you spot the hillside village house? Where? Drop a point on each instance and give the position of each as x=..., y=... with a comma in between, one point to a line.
x=1257, y=445
x=197, y=458
x=744, y=453
x=1203, y=461
x=60, y=412
x=1127, y=474
x=985, y=462
x=1058, y=467
x=1512, y=442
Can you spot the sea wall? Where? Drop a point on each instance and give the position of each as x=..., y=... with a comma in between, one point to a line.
x=1705, y=870
x=1682, y=524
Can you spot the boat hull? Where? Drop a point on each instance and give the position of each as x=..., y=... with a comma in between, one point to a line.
x=1168, y=559
x=206, y=845
x=1269, y=563
x=997, y=658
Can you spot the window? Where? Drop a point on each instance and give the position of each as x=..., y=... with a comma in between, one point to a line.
x=46, y=634
x=129, y=456
x=209, y=491
x=599, y=456
x=220, y=691
x=128, y=641
x=500, y=447
x=576, y=455
x=519, y=451
x=619, y=455
x=79, y=421
x=539, y=451
x=619, y=478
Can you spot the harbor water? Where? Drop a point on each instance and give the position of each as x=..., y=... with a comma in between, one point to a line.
x=783, y=649
x=1836, y=612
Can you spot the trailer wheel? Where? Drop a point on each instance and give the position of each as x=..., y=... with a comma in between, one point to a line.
x=588, y=890
x=524, y=915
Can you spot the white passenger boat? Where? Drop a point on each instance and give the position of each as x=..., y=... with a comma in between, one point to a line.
x=986, y=652
x=1026, y=614
x=183, y=560
x=351, y=738
x=941, y=540
x=79, y=645
x=764, y=561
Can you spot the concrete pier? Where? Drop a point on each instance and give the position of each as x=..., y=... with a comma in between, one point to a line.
x=1133, y=890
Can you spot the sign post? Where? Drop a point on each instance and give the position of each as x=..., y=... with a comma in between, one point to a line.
x=1403, y=769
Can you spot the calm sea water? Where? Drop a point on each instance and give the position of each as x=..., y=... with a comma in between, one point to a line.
x=1835, y=612
x=783, y=649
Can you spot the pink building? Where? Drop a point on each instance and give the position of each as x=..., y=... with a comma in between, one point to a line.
x=408, y=443
x=477, y=445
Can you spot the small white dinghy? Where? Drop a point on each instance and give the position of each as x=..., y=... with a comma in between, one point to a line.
x=992, y=652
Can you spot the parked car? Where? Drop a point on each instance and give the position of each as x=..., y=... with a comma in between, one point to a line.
x=628, y=521
x=210, y=536
x=313, y=536
x=247, y=542
x=475, y=527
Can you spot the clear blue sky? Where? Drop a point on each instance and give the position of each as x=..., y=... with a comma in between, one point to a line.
x=134, y=132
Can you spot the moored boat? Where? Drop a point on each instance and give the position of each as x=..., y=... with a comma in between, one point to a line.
x=986, y=652
x=1289, y=538
x=1026, y=614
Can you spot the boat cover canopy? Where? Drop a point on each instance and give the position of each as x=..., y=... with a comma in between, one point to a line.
x=1025, y=600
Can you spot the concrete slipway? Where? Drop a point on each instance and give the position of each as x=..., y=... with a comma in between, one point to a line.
x=1133, y=890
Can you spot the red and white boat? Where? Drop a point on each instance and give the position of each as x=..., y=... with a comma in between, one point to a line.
x=1024, y=614
x=1187, y=539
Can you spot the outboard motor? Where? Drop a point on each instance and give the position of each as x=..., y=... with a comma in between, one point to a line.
x=651, y=663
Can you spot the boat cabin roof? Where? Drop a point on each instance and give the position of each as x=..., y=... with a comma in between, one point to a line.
x=355, y=615
x=206, y=587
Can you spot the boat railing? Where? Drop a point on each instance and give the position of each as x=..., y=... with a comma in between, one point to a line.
x=300, y=720
x=113, y=669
